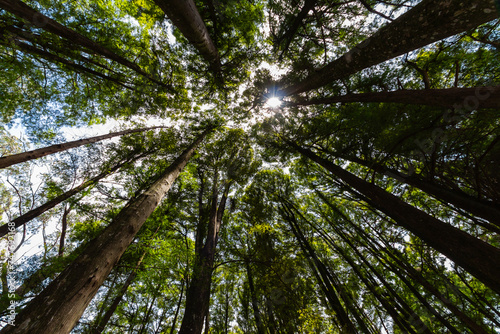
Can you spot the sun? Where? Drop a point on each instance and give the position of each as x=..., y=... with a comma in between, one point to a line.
x=273, y=102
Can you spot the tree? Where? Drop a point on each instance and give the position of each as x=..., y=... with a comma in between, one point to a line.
x=233, y=159
x=110, y=245
x=446, y=98
x=187, y=19
x=10, y=160
x=423, y=225
x=27, y=13
x=426, y=23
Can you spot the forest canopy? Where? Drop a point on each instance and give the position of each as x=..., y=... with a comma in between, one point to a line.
x=303, y=166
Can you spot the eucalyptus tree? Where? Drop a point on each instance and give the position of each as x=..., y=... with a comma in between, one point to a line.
x=280, y=291
x=111, y=243
x=187, y=19
x=40, y=20
x=408, y=32
x=447, y=98
x=67, y=78
x=9, y=160
x=227, y=160
x=479, y=260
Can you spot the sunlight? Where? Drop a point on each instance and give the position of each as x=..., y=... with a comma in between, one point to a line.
x=273, y=102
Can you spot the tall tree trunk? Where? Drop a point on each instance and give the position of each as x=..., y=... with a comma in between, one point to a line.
x=374, y=288
x=479, y=208
x=62, y=48
x=400, y=304
x=288, y=35
x=99, y=327
x=446, y=98
x=148, y=313
x=64, y=223
x=102, y=322
x=35, y=279
x=39, y=20
x=185, y=16
x=403, y=274
x=427, y=22
x=253, y=296
x=477, y=257
x=68, y=295
x=349, y=301
x=365, y=241
x=172, y=329
x=41, y=152
x=409, y=271
x=322, y=274
x=23, y=219
x=198, y=293
x=55, y=58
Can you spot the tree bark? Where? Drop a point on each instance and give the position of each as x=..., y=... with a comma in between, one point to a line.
x=41, y=152
x=102, y=322
x=68, y=295
x=185, y=16
x=479, y=208
x=446, y=98
x=198, y=293
x=172, y=329
x=427, y=22
x=253, y=296
x=475, y=256
x=64, y=223
x=23, y=219
x=39, y=20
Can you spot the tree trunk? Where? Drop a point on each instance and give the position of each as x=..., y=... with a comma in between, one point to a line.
x=55, y=58
x=64, y=227
x=23, y=219
x=288, y=35
x=102, y=322
x=253, y=296
x=481, y=97
x=322, y=274
x=35, y=279
x=346, y=296
x=366, y=242
x=99, y=328
x=68, y=295
x=479, y=208
x=427, y=22
x=409, y=271
x=39, y=20
x=198, y=293
x=185, y=16
x=374, y=288
x=172, y=329
x=148, y=313
x=400, y=303
x=477, y=257
x=41, y=152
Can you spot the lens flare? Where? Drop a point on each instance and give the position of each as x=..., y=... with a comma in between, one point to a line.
x=273, y=102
